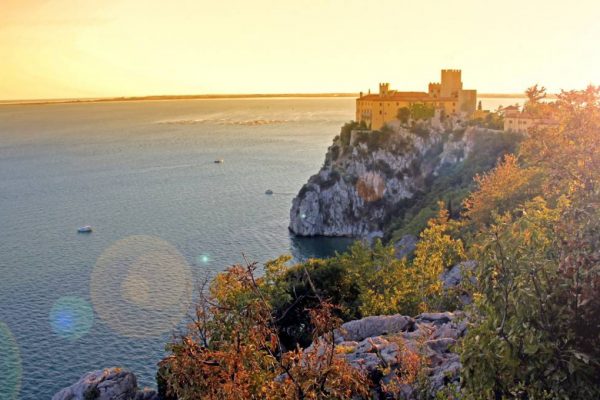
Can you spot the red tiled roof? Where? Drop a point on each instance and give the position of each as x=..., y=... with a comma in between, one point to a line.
x=405, y=96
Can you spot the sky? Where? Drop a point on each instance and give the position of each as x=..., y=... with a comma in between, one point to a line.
x=91, y=48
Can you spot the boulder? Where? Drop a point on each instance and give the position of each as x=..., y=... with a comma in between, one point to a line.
x=375, y=326
x=453, y=277
x=107, y=384
x=375, y=344
x=406, y=246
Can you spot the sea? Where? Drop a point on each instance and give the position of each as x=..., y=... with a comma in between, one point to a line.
x=165, y=217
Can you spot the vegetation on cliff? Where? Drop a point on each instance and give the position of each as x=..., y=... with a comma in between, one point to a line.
x=531, y=224
x=389, y=182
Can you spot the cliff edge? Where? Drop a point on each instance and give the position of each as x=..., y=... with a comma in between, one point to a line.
x=369, y=178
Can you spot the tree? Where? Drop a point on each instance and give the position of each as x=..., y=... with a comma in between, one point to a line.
x=522, y=333
x=421, y=111
x=537, y=298
x=403, y=114
x=535, y=95
x=500, y=190
x=436, y=251
x=232, y=350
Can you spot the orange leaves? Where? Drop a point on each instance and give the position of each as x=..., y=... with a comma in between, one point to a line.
x=504, y=188
x=232, y=350
x=411, y=366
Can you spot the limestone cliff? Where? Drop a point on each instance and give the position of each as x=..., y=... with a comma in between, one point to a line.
x=368, y=176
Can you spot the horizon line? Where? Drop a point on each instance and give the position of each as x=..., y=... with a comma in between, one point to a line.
x=209, y=97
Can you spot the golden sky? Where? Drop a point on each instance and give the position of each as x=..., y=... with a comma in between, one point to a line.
x=93, y=48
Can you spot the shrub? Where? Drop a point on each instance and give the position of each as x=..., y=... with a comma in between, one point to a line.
x=232, y=349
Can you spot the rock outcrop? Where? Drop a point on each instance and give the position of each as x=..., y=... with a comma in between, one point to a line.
x=405, y=247
x=375, y=345
x=365, y=179
x=107, y=384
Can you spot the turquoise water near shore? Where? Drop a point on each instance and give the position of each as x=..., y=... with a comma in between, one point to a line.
x=164, y=215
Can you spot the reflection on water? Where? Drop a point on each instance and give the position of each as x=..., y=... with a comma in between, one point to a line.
x=303, y=248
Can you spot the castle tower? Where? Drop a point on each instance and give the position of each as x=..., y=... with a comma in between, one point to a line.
x=384, y=89
x=434, y=89
x=451, y=82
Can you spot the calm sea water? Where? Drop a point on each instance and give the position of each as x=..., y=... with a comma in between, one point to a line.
x=164, y=215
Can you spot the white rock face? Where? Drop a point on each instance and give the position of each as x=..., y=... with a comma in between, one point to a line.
x=107, y=384
x=360, y=185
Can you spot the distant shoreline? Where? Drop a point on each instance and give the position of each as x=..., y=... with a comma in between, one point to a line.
x=216, y=97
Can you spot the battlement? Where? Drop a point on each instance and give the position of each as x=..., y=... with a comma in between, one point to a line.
x=452, y=71
x=384, y=88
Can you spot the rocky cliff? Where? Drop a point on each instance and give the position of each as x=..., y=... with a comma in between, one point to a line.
x=369, y=176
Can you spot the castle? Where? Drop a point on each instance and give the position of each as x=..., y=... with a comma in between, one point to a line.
x=448, y=97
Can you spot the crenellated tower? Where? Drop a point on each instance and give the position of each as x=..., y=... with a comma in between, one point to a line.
x=384, y=89
x=451, y=82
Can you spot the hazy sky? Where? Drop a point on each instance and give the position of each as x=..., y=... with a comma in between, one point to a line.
x=88, y=48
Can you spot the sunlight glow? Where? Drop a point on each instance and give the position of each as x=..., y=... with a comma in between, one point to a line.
x=73, y=48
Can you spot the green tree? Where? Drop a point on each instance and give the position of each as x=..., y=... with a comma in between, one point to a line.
x=421, y=111
x=403, y=114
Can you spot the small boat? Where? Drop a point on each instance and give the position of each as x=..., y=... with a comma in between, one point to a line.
x=219, y=161
x=85, y=229
x=268, y=191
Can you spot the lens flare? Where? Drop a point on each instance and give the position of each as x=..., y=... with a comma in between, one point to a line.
x=370, y=186
x=10, y=365
x=71, y=317
x=141, y=286
x=203, y=259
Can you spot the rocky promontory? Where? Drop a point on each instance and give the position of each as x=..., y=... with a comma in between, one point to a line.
x=368, y=176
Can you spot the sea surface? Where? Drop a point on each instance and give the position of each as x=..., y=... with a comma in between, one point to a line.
x=164, y=216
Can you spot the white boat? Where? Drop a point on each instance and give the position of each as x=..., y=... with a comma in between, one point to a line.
x=85, y=229
x=219, y=161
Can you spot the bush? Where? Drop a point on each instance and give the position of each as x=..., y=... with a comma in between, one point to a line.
x=346, y=132
x=232, y=350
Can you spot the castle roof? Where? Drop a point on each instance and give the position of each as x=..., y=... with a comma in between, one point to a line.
x=540, y=119
x=405, y=96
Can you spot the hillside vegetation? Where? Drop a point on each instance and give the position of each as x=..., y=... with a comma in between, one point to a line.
x=531, y=224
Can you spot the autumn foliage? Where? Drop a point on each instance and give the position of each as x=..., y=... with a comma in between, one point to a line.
x=232, y=350
x=532, y=224
x=536, y=318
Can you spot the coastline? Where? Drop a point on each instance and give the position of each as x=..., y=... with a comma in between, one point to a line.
x=214, y=97
x=175, y=97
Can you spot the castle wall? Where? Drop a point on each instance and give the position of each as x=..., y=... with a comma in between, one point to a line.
x=467, y=101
